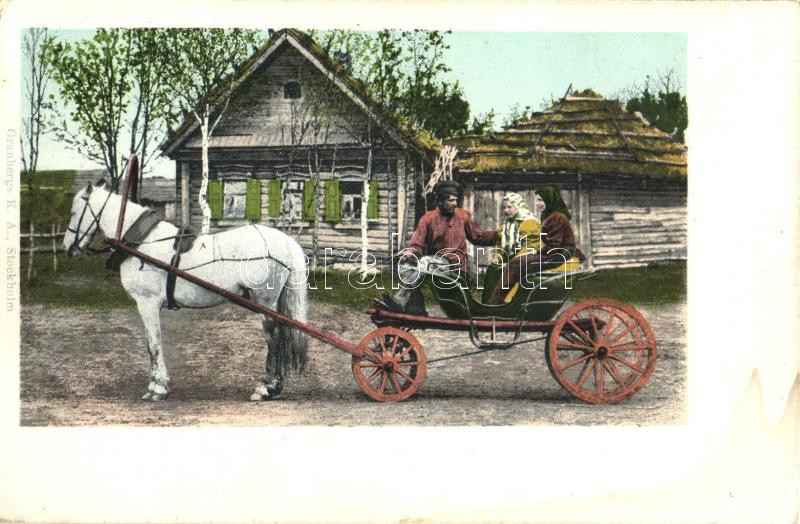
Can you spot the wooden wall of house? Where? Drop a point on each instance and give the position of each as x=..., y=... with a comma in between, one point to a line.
x=336, y=236
x=618, y=222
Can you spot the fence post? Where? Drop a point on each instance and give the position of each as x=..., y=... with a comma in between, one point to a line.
x=54, y=231
x=30, y=252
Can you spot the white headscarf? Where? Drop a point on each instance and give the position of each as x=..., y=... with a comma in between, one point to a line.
x=510, y=240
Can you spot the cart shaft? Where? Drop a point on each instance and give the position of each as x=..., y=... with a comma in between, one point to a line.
x=240, y=300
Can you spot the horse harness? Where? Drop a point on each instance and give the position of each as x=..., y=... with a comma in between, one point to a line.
x=135, y=236
x=172, y=277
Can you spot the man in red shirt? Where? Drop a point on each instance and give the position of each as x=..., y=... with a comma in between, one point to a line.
x=441, y=236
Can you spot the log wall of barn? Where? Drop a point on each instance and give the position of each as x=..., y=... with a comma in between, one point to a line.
x=336, y=236
x=483, y=198
x=637, y=225
x=619, y=221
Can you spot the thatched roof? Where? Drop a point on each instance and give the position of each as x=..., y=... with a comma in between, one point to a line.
x=582, y=133
x=418, y=139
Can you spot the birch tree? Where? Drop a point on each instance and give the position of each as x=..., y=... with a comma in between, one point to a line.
x=111, y=91
x=150, y=97
x=94, y=85
x=202, y=70
x=36, y=43
x=312, y=119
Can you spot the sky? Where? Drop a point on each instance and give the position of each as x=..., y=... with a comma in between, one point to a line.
x=498, y=70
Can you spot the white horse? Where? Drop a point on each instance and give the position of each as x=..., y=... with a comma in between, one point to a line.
x=261, y=263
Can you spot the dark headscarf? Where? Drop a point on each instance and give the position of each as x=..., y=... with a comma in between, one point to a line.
x=553, y=202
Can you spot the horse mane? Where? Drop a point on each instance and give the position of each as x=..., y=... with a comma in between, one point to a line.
x=134, y=195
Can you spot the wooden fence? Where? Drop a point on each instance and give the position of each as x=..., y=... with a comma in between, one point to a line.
x=54, y=246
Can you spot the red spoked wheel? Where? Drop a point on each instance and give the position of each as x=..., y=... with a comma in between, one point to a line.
x=392, y=366
x=601, y=351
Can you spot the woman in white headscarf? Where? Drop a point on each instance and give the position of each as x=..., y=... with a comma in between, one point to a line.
x=519, y=234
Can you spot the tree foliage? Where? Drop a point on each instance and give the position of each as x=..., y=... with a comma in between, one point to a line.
x=482, y=123
x=93, y=76
x=666, y=108
x=114, y=98
x=404, y=71
x=202, y=66
x=151, y=96
x=517, y=114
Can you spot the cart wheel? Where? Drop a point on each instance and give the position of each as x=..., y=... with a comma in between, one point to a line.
x=601, y=351
x=392, y=367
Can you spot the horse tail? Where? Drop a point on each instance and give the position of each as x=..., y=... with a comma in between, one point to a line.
x=292, y=344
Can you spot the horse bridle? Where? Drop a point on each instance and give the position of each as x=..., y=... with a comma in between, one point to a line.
x=95, y=221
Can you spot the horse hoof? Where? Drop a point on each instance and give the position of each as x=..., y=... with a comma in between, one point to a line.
x=153, y=396
x=259, y=396
x=270, y=390
x=263, y=393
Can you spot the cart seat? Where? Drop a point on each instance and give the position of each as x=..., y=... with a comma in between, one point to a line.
x=570, y=266
x=541, y=302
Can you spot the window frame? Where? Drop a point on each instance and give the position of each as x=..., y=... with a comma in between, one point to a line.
x=354, y=219
x=288, y=90
x=226, y=183
x=296, y=195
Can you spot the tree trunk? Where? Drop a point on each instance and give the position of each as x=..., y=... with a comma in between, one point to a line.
x=364, y=206
x=202, y=198
x=315, y=178
x=143, y=162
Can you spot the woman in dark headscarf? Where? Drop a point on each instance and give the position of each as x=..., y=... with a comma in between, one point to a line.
x=558, y=241
x=556, y=229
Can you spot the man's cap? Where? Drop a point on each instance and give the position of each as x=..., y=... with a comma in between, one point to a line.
x=447, y=187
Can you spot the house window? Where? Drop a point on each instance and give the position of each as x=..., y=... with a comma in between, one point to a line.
x=293, y=201
x=235, y=198
x=292, y=89
x=351, y=200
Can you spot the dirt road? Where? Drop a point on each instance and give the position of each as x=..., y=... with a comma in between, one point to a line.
x=90, y=368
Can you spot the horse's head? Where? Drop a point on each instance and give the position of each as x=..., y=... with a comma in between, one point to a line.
x=83, y=221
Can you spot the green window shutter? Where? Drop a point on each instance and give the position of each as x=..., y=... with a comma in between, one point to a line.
x=252, y=205
x=372, y=205
x=309, y=209
x=215, y=197
x=333, y=201
x=274, y=197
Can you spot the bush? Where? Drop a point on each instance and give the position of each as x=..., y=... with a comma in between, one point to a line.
x=45, y=198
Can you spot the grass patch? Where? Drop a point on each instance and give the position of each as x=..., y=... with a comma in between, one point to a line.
x=346, y=290
x=81, y=282
x=664, y=284
x=85, y=283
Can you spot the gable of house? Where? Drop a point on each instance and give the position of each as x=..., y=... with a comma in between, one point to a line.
x=259, y=114
x=275, y=107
